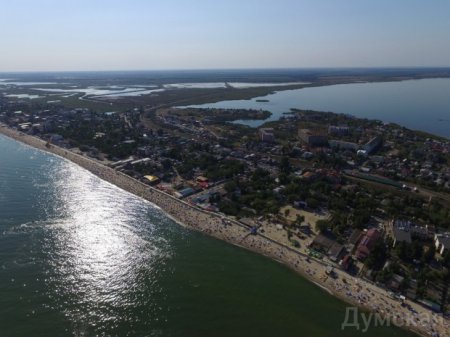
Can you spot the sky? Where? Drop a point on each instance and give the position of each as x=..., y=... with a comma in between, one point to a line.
x=68, y=35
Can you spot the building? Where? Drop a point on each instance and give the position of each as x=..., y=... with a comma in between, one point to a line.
x=395, y=282
x=334, y=250
x=367, y=243
x=203, y=182
x=401, y=230
x=153, y=180
x=266, y=135
x=143, y=161
x=404, y=231
x=313, y=137
x=56, y=139
x=346, y=262
x=355, y=237
x=184, y=192
x=121, y=163
x=442, y=242
x=322, y=243
x=309, y=176
x=343, y=145
x=373, y=144
x=338, y=130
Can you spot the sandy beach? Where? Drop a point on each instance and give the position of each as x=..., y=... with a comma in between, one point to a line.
x=355, y=291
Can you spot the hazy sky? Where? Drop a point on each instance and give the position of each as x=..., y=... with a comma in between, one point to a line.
x=56, y=35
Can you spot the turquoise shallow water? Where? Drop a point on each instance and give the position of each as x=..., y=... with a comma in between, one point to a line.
x=80, y=257
x=417, y=104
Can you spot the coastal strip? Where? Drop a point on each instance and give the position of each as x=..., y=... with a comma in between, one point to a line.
x=355, y=291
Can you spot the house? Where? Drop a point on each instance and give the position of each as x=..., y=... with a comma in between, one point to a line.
x=367, y=243
x=442, y=242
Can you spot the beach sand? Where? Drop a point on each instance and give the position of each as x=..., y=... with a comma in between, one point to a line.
x=355, y=291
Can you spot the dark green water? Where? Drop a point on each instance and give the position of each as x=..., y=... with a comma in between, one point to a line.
x=79, y=257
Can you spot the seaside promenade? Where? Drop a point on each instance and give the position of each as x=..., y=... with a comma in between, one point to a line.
x=354, y=291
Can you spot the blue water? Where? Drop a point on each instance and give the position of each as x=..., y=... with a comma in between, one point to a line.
x=416, y=104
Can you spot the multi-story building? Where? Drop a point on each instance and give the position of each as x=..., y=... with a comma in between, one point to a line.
x=313, y=137
x=266, y=135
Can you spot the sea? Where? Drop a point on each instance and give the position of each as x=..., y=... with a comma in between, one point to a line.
x=81, y=257
x=416, y=104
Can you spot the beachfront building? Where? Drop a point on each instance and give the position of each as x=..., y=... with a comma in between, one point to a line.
x=395, y=282
x=346, y=262
x=334, y=250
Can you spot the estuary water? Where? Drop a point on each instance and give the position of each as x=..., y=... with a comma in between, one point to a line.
x=416, y=104
x=80, y=257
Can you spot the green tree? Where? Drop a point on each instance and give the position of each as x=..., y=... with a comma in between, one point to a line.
x=230, y=186
x=299, y=219
x=377, y=257
x=312, y=202
x=429, y=255
x=285, y=165
x=322, y=225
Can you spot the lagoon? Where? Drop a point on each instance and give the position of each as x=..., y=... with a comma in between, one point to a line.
x=416, y=104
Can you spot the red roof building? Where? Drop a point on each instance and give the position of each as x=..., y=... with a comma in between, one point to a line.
x=367, y=243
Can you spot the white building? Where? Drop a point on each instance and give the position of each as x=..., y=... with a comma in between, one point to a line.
x=442, y=242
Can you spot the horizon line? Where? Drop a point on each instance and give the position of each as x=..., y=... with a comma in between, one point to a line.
x=225, y=69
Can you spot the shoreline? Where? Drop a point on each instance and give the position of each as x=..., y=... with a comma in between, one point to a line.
x=354, y=291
